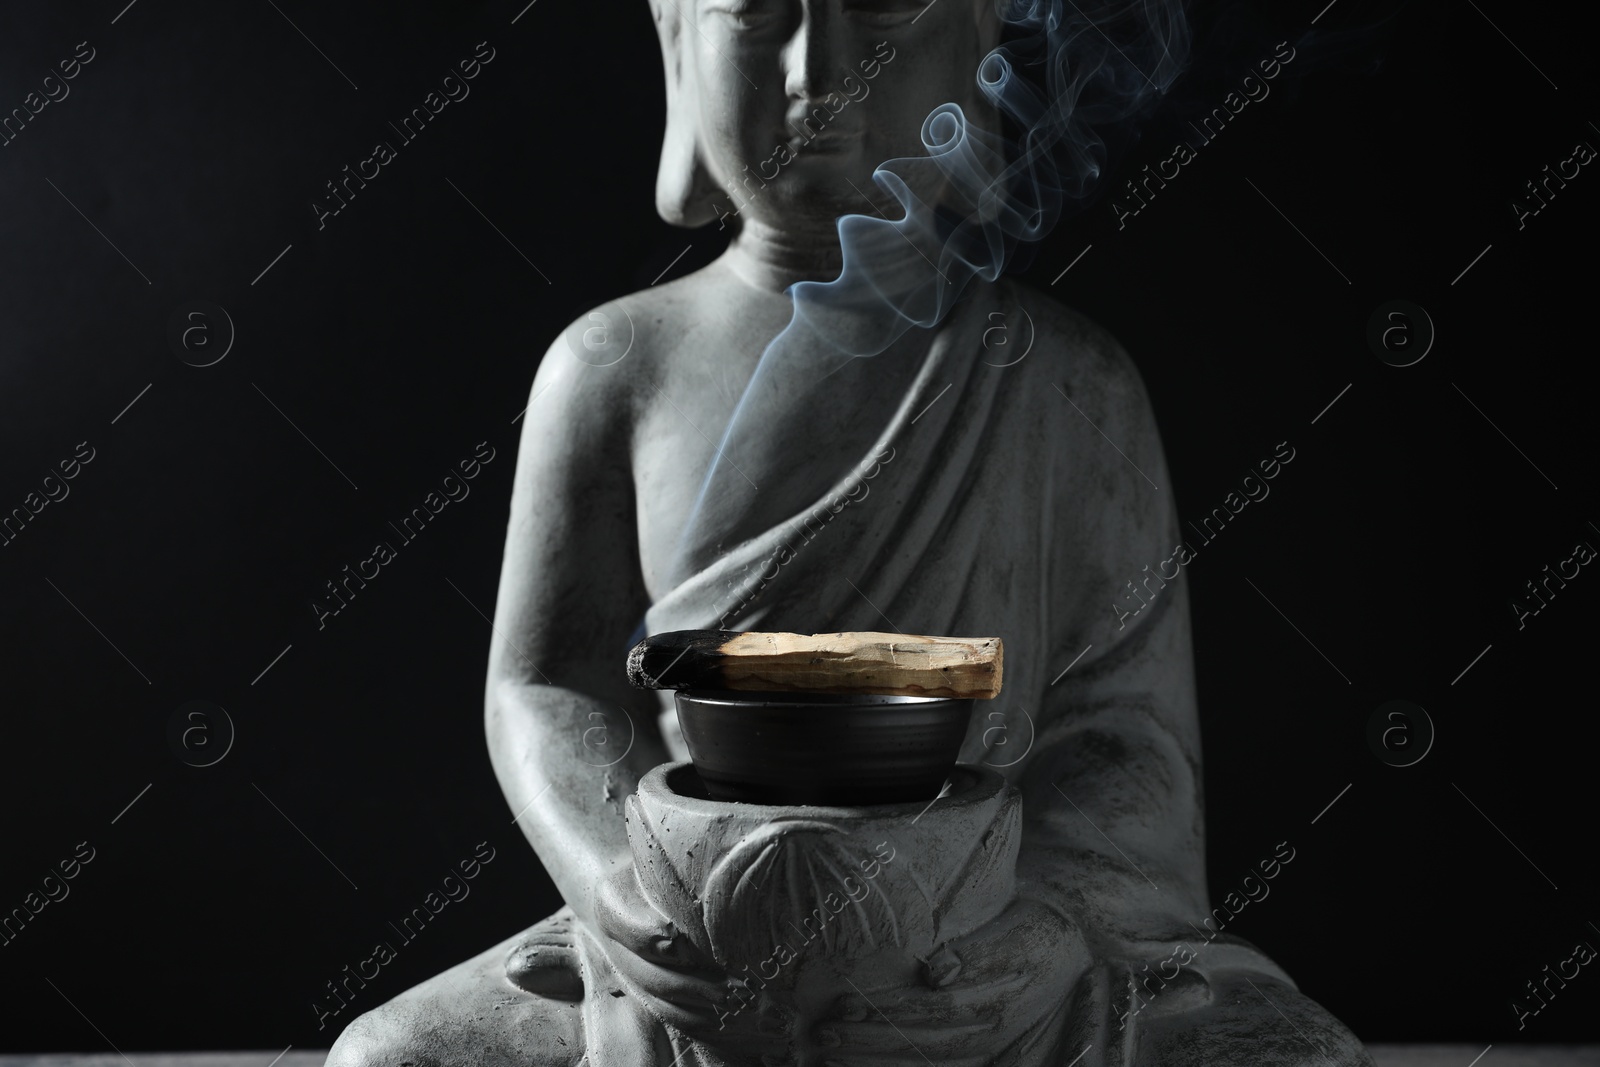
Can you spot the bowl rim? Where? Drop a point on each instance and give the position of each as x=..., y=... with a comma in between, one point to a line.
x=969, y=782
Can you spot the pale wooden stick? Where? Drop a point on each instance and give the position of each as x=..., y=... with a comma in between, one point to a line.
x=861, y=662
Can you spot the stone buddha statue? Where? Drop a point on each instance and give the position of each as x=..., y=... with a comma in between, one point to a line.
x=823, y=431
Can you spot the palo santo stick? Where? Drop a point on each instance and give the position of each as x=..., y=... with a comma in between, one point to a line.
x=867, y=663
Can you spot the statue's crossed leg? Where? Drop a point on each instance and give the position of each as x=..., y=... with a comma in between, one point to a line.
x=518, y=1004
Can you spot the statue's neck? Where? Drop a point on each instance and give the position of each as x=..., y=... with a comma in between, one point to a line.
x=773, y=260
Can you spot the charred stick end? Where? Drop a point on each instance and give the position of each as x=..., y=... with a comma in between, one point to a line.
x=679, y=659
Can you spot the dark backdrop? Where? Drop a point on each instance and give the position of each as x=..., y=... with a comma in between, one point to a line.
x=377, y=352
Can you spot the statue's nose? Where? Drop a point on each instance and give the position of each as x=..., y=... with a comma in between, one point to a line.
x=809, y=63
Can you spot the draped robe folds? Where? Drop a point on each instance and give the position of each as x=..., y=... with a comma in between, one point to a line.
x=1019, y=501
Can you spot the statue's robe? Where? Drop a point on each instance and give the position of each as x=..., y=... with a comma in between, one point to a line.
x=1027, y=497
x=1029, y=501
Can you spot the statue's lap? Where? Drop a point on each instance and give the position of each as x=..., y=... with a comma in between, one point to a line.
x=475, y=1014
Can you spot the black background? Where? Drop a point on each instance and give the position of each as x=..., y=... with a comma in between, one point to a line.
x=408, y=330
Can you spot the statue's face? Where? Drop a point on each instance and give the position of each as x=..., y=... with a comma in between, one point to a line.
x=799, y=100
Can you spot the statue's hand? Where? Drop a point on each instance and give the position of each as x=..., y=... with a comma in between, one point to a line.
x=995, y=996
x=668, y=975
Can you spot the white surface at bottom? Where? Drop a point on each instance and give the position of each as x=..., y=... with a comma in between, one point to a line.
x=1386, y=1055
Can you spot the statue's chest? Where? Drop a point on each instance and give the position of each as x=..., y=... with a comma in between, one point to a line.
x=721, y=456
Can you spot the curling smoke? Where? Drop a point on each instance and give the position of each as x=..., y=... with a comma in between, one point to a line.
x=1066, y=76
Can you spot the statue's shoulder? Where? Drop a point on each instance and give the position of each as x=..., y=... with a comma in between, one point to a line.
x=600, y=367
x=1077, y=353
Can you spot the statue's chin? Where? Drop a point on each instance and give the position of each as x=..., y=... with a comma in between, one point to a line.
x=815, y=188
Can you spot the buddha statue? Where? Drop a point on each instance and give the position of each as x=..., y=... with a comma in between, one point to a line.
x=822, y=431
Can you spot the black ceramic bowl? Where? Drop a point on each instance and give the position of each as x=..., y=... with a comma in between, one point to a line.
x=822, y=748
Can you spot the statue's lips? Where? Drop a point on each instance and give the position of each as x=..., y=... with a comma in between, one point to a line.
x=826, y=142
